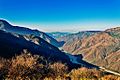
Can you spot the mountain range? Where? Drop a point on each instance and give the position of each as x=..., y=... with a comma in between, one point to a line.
x=14, y=39
x=58, y=35
x=5, y=26
x=101, y=48
x=91, y=49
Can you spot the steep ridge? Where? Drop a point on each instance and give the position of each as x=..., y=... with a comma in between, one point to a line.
x=114, y=32
x=12, y=44
x=79, y=35
x=5, y=26
x=101, y=49
x=37, y=40
x=73, y=41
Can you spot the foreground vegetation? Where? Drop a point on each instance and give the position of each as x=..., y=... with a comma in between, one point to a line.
x=33, y=67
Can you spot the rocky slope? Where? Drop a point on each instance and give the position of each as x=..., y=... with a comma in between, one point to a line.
x=101, y=49
x=114, y=32
x=76, y=37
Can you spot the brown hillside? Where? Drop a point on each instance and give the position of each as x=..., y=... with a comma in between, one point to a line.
x=102, y=49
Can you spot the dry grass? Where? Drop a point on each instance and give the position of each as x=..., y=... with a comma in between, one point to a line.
x=110, y=77
x=30, y=67
x=24, y=66
x=84, y=73
x=59, y=69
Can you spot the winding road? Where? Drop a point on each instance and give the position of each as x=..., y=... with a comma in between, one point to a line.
x=109, y=71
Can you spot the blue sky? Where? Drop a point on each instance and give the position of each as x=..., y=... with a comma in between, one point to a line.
x=62, y=15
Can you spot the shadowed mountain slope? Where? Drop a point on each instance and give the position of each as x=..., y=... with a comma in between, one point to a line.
x=12, y=44
x=5, y=26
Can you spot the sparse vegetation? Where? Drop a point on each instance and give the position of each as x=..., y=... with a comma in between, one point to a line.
x=33, y=67
x=115, y=35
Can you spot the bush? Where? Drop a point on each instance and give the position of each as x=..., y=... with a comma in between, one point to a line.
x=58, y=69
x=27, y=66
x=24, y=66
x=33, y=67
x=84, y=73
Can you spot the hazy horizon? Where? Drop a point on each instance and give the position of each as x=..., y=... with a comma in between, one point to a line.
x=62, y=15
